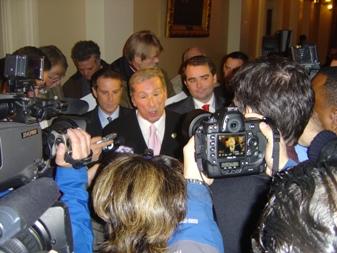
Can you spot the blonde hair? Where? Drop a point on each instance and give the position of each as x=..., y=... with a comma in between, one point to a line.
x=146, y=74
x=140, y=43
x=142, y=201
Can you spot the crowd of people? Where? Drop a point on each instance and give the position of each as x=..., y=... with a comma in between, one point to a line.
x=150, y=195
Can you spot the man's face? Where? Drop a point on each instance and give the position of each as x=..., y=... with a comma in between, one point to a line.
x=326, y=112
x=108, y=94
x=200, y=82
x=55, y=75
x=230, y=66
x=88, y=67
x=151, y=61
x=149, y=97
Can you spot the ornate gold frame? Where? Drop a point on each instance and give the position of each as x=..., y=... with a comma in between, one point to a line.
x=189, y=28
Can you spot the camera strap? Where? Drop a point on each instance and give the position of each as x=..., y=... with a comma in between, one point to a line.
x=276, y=146
x=77, y=163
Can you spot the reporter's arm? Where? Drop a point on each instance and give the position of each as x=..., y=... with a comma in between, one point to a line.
x=73, y=184
x=198, y=232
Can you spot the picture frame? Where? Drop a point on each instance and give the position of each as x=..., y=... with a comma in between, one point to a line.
x=188, y=18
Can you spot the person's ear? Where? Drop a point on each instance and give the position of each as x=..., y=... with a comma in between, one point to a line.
x=137, y=60
x=94, y=92
x=133, y=101
x=214, y=79
x=333, y=117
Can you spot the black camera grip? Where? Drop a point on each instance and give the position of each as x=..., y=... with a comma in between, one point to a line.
x=276, y=145
x=77, y=163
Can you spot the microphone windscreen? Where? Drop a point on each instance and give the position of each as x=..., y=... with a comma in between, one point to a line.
x=30, y=201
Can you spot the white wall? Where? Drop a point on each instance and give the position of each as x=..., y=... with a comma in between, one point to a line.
x=110, y=23
x=215, y=45
x=18, y=24
x=234, y=25
x=64, y=22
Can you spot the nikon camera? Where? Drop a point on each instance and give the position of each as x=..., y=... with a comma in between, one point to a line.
x=227, y=144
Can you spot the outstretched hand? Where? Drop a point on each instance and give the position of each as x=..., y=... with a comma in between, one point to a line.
x=96, y=145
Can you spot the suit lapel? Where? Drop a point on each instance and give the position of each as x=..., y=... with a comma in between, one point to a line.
x=170, y=133
x=136, y=135
x=219, y=102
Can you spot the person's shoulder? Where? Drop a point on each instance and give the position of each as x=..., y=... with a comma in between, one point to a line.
x=121, y=66
x=74, y=78
x=220, y=98
x=179, y=104
x=91, y=113
x=105, y=64
x=121, y=122
x=173, y=114
x=118, y=64
x=125, y=111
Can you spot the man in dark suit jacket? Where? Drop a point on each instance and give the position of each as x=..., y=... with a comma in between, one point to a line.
x=148, y=95
x=199, y=76
x=133, y=137
x=87, y=59
x=107, y=89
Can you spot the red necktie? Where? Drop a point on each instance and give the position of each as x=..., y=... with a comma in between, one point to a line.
x=205, y=107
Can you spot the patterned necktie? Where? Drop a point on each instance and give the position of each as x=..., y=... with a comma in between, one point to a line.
x=154, y=142
x=109, y=119
x=205, y=107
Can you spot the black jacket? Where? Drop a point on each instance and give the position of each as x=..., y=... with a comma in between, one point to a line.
x=77, y=86
x=129, y=130
x=94, y=127
x=186, y=105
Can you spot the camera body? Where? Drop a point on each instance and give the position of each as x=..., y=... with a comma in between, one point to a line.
x=31, y=218
x=227, y=144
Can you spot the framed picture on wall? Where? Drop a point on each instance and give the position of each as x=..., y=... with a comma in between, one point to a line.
x=188, y=18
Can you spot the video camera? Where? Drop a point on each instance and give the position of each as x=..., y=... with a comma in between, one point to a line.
x=31, y=218
x=307, y=56
x=227, y=144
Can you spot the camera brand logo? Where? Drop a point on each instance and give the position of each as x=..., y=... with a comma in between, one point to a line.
x=29, y=133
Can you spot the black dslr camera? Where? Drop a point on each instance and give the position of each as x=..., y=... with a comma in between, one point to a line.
x=227, y=144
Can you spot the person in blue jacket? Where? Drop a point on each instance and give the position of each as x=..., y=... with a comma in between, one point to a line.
x=73, y=184
x=146, y=202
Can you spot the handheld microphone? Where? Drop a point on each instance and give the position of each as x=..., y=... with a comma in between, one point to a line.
x=23, y=206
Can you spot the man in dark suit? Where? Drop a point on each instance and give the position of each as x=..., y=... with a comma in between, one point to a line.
x=87, y=59
x=107, y=89
x=150, y=126
x=199, y=76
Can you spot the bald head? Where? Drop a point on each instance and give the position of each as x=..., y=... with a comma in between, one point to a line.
x=191, y=52
x=325, y=88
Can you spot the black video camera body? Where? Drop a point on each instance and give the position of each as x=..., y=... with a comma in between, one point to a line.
x=227, y=144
